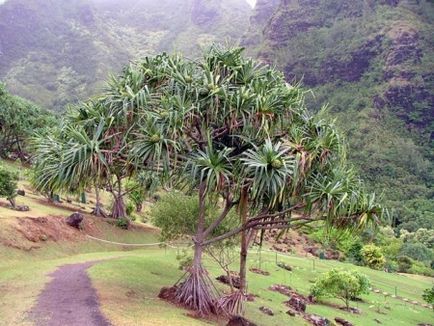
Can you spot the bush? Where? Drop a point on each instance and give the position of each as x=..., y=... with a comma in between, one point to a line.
x=123, y=223
x=417, y=251
x=404, y=264
x=341, y=284
x=428, y=295
x=8, y=185
x=420, y=269
x=354, y=253
x=373, y=257
x=130, y=207
x=176, y=215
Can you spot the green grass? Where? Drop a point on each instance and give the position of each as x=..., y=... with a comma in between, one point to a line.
x=128, y=288
x=128, y=283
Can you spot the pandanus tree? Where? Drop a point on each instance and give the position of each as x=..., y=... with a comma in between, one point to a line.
x=87, y=150
x=232, y=129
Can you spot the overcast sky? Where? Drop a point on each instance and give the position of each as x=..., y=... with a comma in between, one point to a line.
x=251, y=2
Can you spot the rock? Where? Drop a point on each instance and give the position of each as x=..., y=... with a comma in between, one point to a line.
x=317, y=320
x=22, y=208
x=284, y=266
x=291, y=312
x=297, y=302
x=282, y=289
x=259, y=271
x=352, y=310
x=267, y=311
x=225, y=280
x=251, y=297
x=21, y=192
x=75, y=220
x=168, y=293
x=239, y=321
x=342, y=322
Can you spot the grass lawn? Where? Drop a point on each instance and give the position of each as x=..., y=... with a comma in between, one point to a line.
x=128, y=281
x=129, y=286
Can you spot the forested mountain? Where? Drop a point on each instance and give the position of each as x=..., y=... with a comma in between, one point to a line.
x=57, y=51
x=371, y=60
x=373, y=63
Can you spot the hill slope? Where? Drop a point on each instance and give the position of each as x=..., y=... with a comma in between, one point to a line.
x=373, y=62
x=54, y=52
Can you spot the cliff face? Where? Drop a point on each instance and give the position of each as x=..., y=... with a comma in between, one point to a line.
x=386, y=46
x=372, y=61
x=56, y=52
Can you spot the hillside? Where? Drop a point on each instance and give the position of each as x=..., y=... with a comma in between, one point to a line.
x=56, y=52
x=373, y=63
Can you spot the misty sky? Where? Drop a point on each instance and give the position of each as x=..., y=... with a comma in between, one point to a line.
x=251, y=2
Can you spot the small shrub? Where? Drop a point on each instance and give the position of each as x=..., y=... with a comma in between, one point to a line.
x=130, y=207
x=420, y=269
x=8, y=185
x=123, y=223
x=341, y=284
x=428, y=295
x=373, y=257
x=354, y=253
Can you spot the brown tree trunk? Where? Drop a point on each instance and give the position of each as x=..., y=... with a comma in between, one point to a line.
x=13, y=203
x=98, y=210
x=118, y=209
x=244, y=240
x=195, y=292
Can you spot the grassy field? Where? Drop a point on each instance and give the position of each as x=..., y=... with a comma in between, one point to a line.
x=128, y=281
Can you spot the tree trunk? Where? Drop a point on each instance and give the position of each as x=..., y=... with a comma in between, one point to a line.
x=195, y=292
x=244, y=240
x=118, y=209
x=98, y=211
x=13, y=203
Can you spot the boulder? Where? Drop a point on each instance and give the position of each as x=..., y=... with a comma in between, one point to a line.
x=225, y=280
x=75, y=220
x=291, y=312
x=342, y=322
x=267, y=311
x=318, y=320
x=282, y=289
x=297, y=302
x=22, y=208
x=239, y=321
x=168, y=293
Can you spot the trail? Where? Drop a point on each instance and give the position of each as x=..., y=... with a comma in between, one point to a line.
x=69, y=299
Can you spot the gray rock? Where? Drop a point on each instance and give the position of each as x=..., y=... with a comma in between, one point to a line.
x=75, y=220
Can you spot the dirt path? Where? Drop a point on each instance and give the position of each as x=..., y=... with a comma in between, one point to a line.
x=69, y=299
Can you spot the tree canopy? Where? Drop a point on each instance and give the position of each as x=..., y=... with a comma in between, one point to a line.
x=226, y=127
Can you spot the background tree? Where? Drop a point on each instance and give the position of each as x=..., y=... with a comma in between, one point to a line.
x=88, y=150
x=344, y=285
x=19, y=120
